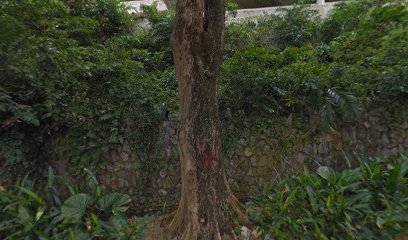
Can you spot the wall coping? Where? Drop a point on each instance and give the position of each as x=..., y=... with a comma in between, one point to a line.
x=322, y=7
x=242, y=14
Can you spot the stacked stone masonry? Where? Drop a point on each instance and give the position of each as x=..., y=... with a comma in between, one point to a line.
x=258, y=155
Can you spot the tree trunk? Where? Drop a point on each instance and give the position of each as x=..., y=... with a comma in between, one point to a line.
x=207, y=207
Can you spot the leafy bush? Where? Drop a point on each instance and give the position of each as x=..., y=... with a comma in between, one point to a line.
x=373, y=56
x=263, y=81
x=345, y=17
x=76, y=77
x=28, y=213
x=369, y=202
x=159, y=33
x=239, y=37
x=296, y=63
x=291, y=27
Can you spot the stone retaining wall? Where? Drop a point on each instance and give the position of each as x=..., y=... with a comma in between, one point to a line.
x=256, y=155
x=283, y=150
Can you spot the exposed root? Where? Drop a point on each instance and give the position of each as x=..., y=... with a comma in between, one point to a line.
x=174, y=227
x=238, y=211
x=233, y=236
x=166, y=219
x=184, y=226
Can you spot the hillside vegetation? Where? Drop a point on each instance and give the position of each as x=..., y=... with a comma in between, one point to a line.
x=77, y=77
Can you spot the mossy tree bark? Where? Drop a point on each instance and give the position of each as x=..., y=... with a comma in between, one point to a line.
x=207, y=207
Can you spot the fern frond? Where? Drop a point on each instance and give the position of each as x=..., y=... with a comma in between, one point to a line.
x=347, y=104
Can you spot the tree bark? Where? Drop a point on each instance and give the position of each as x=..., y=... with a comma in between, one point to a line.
x=207, y=207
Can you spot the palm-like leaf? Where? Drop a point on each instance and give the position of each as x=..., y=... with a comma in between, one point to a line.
x=345, y=103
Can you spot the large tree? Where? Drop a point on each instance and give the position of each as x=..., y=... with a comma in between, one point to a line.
x=207, y=207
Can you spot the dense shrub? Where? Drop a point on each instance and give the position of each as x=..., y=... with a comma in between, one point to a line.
x=29, y=211
x=263, y=81
x=292, y=27
x=369, y=202
x=373, y=57
x=345, y=17
x=295, y=62
x=76, y=76
x=238, y=37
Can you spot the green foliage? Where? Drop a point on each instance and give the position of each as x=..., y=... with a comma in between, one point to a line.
x=79, y=77
x=369, y=202
x=373, y=57
x=76, y=78
x=160, y=29
x=296, y=63
x=263, y=81
x=231, y=7
x=30, y=213
x=346, y=17
x=292, y=27
x=346, y=104
x=238, y=37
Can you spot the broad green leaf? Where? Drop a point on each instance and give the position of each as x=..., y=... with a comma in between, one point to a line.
x=91, y=178
x=328, y=202
x=78, y=234
x=312, y=199
x=306, y=171
x=75, y=206
x=380, y=221
x=32, y=194
x=325, y=172
x=363, y=196
x=40, y=213
x=114, y=202
x=350, y=176
x=290, y=198
x=367, y=168
x=24, y=215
